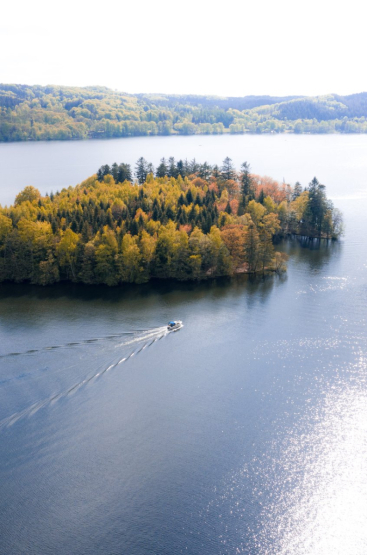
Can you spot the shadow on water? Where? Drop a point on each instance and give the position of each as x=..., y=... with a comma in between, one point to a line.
x=76, y=291
x=315, y=253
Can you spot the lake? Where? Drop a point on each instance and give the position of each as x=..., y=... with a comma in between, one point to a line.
x=243, y=432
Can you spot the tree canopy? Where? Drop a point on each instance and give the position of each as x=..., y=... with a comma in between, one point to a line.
x=188, y=222
x=64, y=113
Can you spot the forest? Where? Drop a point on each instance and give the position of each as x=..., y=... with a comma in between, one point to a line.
x=33, y=113
x=182, y=220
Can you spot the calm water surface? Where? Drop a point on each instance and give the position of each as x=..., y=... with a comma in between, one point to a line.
x=244, y=432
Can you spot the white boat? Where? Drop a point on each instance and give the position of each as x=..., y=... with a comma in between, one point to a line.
x=174, y=325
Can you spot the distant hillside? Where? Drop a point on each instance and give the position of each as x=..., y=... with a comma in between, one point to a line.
x=63, y=113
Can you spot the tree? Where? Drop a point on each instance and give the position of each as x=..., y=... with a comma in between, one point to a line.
x=105, y=255
x=297, y=190
x=256, y=210
x=205, y=171
x=28, y=194
x=48, y=271
x=114, y=171
x=252, y=247
x=233, y=238
x=162, y=169
x=66, y=252
x=6, y=225
x=172, y=169
x=180, y=169
x=150, y=168
x=280, y=260
x=193, y=166
x=141, y=170
x=338, y=225
x=227, y=169
x=124, y=173
x=247, y=189
x=261, y=197
x=317, y=205
x=129, y=261
x=147, y=249
x=268, y=227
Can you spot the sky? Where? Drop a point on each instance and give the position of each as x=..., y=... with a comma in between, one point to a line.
x=200, y=47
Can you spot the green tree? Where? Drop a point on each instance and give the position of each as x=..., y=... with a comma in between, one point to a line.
x=247, y=189
x=227, y=170
x=252, y=247
x=141, y=170
x=317, y=205
x=162, y=169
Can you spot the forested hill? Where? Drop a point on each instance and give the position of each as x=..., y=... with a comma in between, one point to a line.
x=185, y=221
x=54, y=112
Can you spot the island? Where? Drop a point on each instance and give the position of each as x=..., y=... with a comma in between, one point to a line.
x=183, y=220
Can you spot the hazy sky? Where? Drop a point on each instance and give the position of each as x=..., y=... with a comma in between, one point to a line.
x=229, y=48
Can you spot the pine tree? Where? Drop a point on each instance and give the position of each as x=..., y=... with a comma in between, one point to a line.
x=180, y=169
x=115, y=171
x=227, y=170
x=172, y=169
x=141, y=170
x=246, y=185
x=297, y=190
x=261, y=197
x=205, y=171
x=162, y=169
x=124, y=173
x=193, y=166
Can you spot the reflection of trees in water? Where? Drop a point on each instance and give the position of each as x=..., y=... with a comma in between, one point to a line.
x=43, y=299
x=313, y=252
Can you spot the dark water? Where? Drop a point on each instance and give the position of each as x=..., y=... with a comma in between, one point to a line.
x=244, y=432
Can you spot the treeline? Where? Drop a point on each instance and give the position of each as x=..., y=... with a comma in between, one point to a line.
x=184, y=220
x=64, y=113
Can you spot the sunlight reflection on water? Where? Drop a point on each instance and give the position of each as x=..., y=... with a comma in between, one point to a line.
x=323, y=508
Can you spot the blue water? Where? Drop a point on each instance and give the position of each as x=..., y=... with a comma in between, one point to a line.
x=243, y=432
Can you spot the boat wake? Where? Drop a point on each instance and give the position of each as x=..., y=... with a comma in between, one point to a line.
x=135, y=344
x=71, y=344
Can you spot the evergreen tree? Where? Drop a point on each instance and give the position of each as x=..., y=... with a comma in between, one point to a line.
x=228, y=208
x=297, y=190
x=141, y=170
x=246, y=185
x=261, y=197
x=193, y=166
x=180, y=168
x=227, y=170
x=124, y=173
x=115, y=171
x=205, y=171
x=215, y=171
x=189, y=197
x=150, y=168
x=106, y=170
x=162, y=169
x=172, y=169
x=317, y=204
x=99, y=174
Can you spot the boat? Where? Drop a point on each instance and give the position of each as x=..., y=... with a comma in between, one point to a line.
x=174, y=325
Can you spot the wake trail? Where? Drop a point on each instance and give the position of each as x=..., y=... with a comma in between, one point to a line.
x=113, y=337
x=148, y=338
